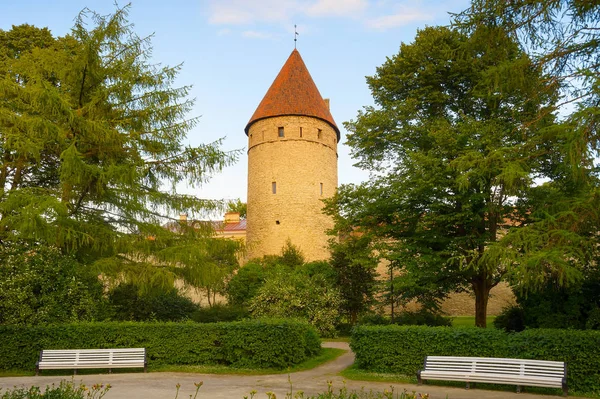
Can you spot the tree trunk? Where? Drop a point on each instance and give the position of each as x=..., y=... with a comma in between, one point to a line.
x=481, y=288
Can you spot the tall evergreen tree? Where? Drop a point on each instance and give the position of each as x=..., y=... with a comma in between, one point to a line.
x=92, y=147
x=450, y=153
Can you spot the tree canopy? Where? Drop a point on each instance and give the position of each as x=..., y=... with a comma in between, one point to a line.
x=92, y=146
x=453, y=145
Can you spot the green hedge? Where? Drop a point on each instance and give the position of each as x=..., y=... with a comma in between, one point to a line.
x=254, y=343
x=402, y=349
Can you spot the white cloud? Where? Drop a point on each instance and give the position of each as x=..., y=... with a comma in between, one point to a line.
x=252, y=34
x=224, y=32
x=267, y=13
x=403, y=17
x=326, y=8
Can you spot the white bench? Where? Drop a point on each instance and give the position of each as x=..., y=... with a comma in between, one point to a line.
x=53, y=359
x=526, y=372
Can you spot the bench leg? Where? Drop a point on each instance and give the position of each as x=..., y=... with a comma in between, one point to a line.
x=419, y=380
x=565, y=391
x=468, y=385
x=75, y=372
x=109, y=371
x=518, y=389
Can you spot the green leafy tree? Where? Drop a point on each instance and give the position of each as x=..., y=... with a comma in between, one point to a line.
x=355, y=274
x=40, y=285
x=92, y=147
x=450, y=151
x=560, y=239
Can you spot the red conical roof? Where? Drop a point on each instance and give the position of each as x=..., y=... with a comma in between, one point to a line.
x=293, y=92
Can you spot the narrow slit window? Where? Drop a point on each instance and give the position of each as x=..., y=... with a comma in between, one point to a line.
x=281, y=131
x=319, y=133
x=274, y=187
x=321, y=188
x=300, y=131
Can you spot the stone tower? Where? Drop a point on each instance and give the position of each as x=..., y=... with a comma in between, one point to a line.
x=292, y=166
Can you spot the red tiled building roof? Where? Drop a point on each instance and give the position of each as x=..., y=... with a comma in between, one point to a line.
x=293, y=92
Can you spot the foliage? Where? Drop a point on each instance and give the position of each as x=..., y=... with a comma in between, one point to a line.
x=575, y=306
x=219, y=312
x=291, y=256
x=450, y=153
x=244, y=285
x=401, y=349
x=129, y=303
x=285, y=294
x=355, y=267
x=422, y=317
x=512, y=319
x=254, y=343
x=564, y=40
x=92, y=146
x=64, y=390
x=40, y=285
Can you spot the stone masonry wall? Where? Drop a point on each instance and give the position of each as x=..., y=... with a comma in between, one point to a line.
x=303, y=166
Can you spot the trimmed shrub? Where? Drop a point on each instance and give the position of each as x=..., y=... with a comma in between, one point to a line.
x=402, y=349
x=267, y=343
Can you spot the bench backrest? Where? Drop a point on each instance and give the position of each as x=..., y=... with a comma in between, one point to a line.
x=522, y=367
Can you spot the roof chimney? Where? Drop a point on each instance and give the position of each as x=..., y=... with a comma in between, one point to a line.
x=326, y=102
x=232, y=217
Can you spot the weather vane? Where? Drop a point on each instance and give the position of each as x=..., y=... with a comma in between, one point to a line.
x=295, y=36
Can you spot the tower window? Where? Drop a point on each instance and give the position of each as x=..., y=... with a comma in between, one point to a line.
x=319, y=133
x=274, y=187
x=300, y=131
x=321, y=188
x=281, y=132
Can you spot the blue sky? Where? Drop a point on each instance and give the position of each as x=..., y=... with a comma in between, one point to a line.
x=232, y=50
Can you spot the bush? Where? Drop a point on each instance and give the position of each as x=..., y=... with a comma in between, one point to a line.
x=219, y=313
x=244, y=285
x=41, y=285
x=402, y=349
x=422, y=318
x=512, y=319
x=374, y=319
x=293, y=295
x=129, y=305
x=267, y=343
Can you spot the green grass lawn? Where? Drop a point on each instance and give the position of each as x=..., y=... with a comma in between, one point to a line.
x=469, y=321
x=327, y=354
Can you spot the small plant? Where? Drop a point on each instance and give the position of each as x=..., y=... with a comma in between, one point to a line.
x=196, y=384
x=64, y=390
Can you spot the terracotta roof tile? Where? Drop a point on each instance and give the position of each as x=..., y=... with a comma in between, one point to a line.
x=293, y=92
